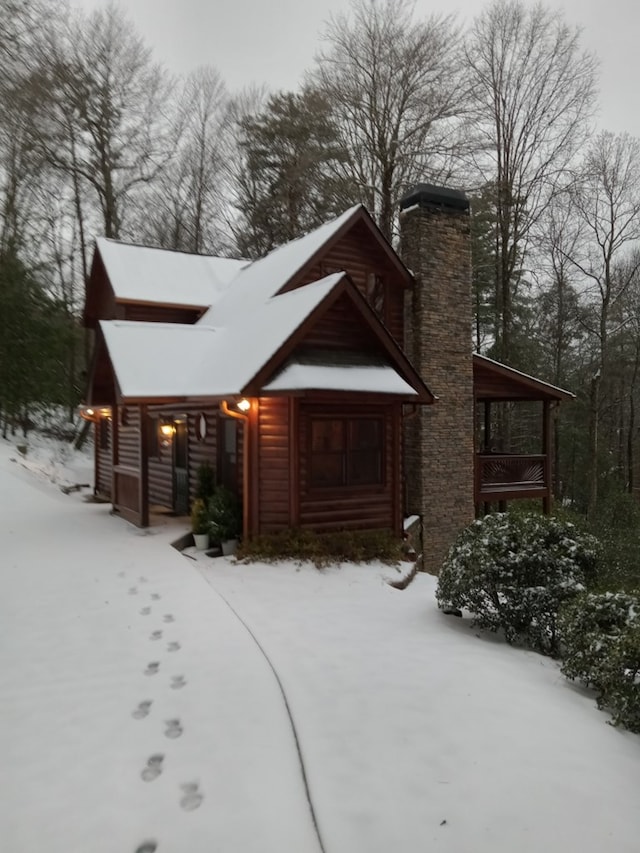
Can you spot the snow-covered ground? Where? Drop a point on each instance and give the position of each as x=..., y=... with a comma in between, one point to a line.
x=139, y=705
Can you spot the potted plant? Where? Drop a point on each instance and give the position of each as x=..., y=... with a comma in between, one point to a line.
x=225, y=514
x=200, y=524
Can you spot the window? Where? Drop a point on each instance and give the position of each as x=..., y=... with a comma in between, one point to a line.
x=346, y=451
x=375, y=294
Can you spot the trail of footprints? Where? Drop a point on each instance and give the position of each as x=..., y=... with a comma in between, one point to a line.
x=191, y=796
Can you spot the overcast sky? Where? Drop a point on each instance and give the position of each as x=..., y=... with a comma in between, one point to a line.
x=273, y=41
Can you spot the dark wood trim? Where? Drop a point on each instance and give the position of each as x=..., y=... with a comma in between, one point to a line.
x=294, y=463
x=546, y=449
x=180, y=305
x=528, y=387
x=396, y=420
x=115, y=453
x=251, y=466
x=143, y=485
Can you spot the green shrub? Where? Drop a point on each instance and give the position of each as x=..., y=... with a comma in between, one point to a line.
x=600, y=636
x=513, y=572
x=199, y=517
x=225, y=514
x=205, y=481
x=620, y=690
x=322, y=549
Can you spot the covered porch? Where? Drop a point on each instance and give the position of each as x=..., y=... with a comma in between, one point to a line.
x=502, y=473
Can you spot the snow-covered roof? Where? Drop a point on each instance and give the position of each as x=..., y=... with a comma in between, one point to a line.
x=247, y=323
x=153, y=360
x=143, y=274
x=265, y=277
x=330, y=377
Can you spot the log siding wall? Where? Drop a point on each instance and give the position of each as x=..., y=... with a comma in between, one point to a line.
x=161, y=466
x=274, y=464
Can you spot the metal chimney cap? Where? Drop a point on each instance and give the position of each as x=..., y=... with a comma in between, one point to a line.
x=439, y=198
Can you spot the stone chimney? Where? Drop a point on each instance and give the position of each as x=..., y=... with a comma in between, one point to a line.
x=439, y=441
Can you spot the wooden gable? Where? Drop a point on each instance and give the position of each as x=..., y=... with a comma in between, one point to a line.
x=343, y=321
x=102, y=303
x=101, y=387
x=360, y=250
x=495, y=382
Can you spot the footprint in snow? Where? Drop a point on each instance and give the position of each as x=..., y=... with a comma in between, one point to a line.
x=155, y=635
x=145, y=611
x=174, y=728
x=153, y=768
x=142, y=579
x=192, y=797
x=168, y=617
x=155, y=596
x=142, y=710
x=122, y=574
x=147, y=847
x=152, y=668
x=133, y=590
x=178, y=681
x=173, y=646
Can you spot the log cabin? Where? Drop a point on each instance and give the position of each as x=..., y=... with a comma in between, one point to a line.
x=330, y=384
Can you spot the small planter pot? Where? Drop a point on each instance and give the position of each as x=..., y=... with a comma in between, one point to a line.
x=229, y=547
x=201, y=541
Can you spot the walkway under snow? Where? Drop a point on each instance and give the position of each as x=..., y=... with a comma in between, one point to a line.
x=136, y=707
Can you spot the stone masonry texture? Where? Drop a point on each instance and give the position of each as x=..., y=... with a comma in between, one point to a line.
x=439, y=439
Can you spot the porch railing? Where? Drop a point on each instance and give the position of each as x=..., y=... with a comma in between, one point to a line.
x=505, y=476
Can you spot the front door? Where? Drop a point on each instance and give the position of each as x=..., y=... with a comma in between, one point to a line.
x=180, y=467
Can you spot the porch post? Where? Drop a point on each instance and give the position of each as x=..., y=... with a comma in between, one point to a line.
x=143, y=484
x=487, y=425
x=546, y=449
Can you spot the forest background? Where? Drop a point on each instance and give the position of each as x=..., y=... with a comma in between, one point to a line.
x=98, y=138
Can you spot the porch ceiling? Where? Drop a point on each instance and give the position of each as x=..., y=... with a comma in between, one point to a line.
x=496, y=382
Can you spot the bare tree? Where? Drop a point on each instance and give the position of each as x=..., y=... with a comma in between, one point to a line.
x=533, y=93
x=184, y=208
x=395, y=86
x=104, y=120
x=607, y=202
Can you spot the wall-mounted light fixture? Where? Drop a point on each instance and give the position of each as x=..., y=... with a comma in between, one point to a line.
x=166, y=431
x=239, y=408
x=89, y=413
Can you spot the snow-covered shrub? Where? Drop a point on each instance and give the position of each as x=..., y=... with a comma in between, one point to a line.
x=589, y=628
x=620, y=691
x=513, y=572
x=600, y=635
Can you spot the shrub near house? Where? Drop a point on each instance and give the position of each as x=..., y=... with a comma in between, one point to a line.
x=601, y=647
x=514, y=572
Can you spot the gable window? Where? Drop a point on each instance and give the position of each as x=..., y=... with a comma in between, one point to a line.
x=375, y=294
x=346, y=451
